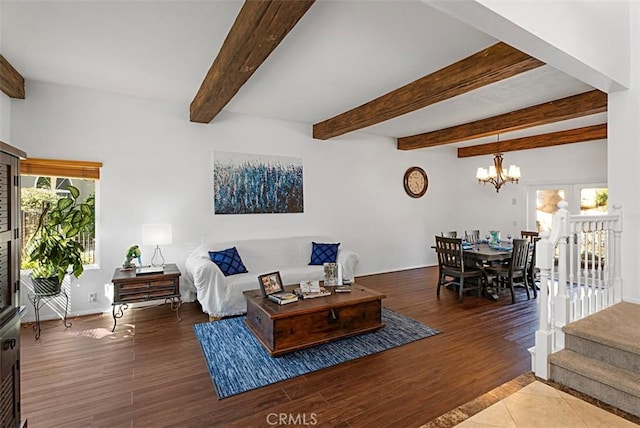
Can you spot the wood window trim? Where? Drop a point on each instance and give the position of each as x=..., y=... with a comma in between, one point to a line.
x=61, y=168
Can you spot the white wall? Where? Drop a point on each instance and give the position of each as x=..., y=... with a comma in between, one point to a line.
x=5, y=118
x=157, y=167
x=569, y=26
x=5, y=107
x=588, y=40
x=624, y=161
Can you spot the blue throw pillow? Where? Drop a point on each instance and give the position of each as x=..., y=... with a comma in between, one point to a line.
x=228, y=261
x=323, y=253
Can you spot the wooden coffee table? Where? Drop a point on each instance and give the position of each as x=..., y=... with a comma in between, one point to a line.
x=285, y=328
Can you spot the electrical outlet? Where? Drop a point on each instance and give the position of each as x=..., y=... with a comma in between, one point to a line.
x=93, y=297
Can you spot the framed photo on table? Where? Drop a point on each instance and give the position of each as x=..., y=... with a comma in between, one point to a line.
x=270, y=283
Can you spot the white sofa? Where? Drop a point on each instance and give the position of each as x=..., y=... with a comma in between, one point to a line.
x=221, y=295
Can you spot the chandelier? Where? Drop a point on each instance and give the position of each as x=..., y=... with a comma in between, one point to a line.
x=496, y=175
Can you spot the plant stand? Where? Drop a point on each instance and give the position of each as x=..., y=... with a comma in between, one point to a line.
x=38, y=300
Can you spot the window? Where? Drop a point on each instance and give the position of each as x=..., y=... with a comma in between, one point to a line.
x=47, y=180
x=583, y=199
x=591, y=198
x=44, y=182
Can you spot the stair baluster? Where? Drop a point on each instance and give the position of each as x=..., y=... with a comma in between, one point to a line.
x=587, y=278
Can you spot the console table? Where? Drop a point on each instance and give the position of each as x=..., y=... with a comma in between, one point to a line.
x=129, y=288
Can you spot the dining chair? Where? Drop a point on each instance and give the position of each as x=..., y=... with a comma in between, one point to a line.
x=532, y=270
x=451, y=263
x=472, y=236
x=515, y=269
x=451, y=234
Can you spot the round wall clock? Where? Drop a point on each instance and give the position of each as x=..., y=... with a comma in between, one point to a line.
x=415, y=182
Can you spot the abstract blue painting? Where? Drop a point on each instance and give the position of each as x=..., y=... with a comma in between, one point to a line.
x=257, y=184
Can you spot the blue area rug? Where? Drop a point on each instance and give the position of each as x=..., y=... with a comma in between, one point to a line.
x=237, y=362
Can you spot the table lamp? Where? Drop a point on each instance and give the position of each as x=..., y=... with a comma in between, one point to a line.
x=156, y=234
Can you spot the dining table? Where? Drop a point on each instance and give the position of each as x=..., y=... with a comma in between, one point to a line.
x=485, y=252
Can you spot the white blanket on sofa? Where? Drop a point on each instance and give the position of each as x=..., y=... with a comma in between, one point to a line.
x=222, y=295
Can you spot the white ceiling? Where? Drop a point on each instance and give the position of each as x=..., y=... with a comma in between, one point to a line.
x=340, y=55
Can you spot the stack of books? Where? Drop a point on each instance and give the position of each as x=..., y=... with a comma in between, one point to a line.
x=321, y=292
x=311, y=289
x=147, y=270
x=283, y=298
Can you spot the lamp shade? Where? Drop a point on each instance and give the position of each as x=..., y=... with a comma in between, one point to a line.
x=482, y=174
x=514, y=171
x=156, y=234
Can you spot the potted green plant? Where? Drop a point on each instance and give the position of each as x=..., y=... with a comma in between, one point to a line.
x=53, y=248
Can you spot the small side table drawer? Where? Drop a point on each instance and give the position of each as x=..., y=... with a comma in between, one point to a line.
x=139, y=295
x=159, y=283
x=129, y=288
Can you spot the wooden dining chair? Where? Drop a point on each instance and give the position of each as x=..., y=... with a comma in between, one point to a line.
x=451, y=234
x=451, y=263
x=472, y=236
x=533, y=237
x=515, y=269
x=529, y=234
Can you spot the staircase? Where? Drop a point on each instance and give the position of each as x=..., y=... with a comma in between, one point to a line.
x=601, y=357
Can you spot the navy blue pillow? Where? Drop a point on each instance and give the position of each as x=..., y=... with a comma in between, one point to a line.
x=323, y=253
x=228, y=261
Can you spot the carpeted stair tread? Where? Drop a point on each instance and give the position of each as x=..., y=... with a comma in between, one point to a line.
x=597, y=350
x=615, y=377
x=617, y=326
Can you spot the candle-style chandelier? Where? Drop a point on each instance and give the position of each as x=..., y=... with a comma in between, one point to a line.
x=496, y=175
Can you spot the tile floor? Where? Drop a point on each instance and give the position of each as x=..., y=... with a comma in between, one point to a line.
x=540, y=405
x=528, y=402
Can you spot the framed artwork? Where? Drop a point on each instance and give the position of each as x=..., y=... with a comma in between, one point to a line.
x=270, y=283
x=257, y=184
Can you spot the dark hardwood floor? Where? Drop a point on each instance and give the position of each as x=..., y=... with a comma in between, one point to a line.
x=151, y=373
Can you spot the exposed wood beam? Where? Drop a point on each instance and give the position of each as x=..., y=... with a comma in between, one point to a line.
x=578, y=135
x=11, y=82
x=258, y=29
x=490, y=65
x=580, y=105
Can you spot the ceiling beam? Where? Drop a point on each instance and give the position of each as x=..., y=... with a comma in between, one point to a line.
x=258, y=29
x=578, y=135
x=490, y=65
x=580, y=105
x=11, y=82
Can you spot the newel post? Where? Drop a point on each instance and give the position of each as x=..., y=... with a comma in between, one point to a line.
x=561, y=310
x=544, y=334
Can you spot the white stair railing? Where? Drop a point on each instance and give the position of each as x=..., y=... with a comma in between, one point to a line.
x=586, y=250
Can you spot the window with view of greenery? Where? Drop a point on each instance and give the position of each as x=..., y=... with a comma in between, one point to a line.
x=42, y=188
